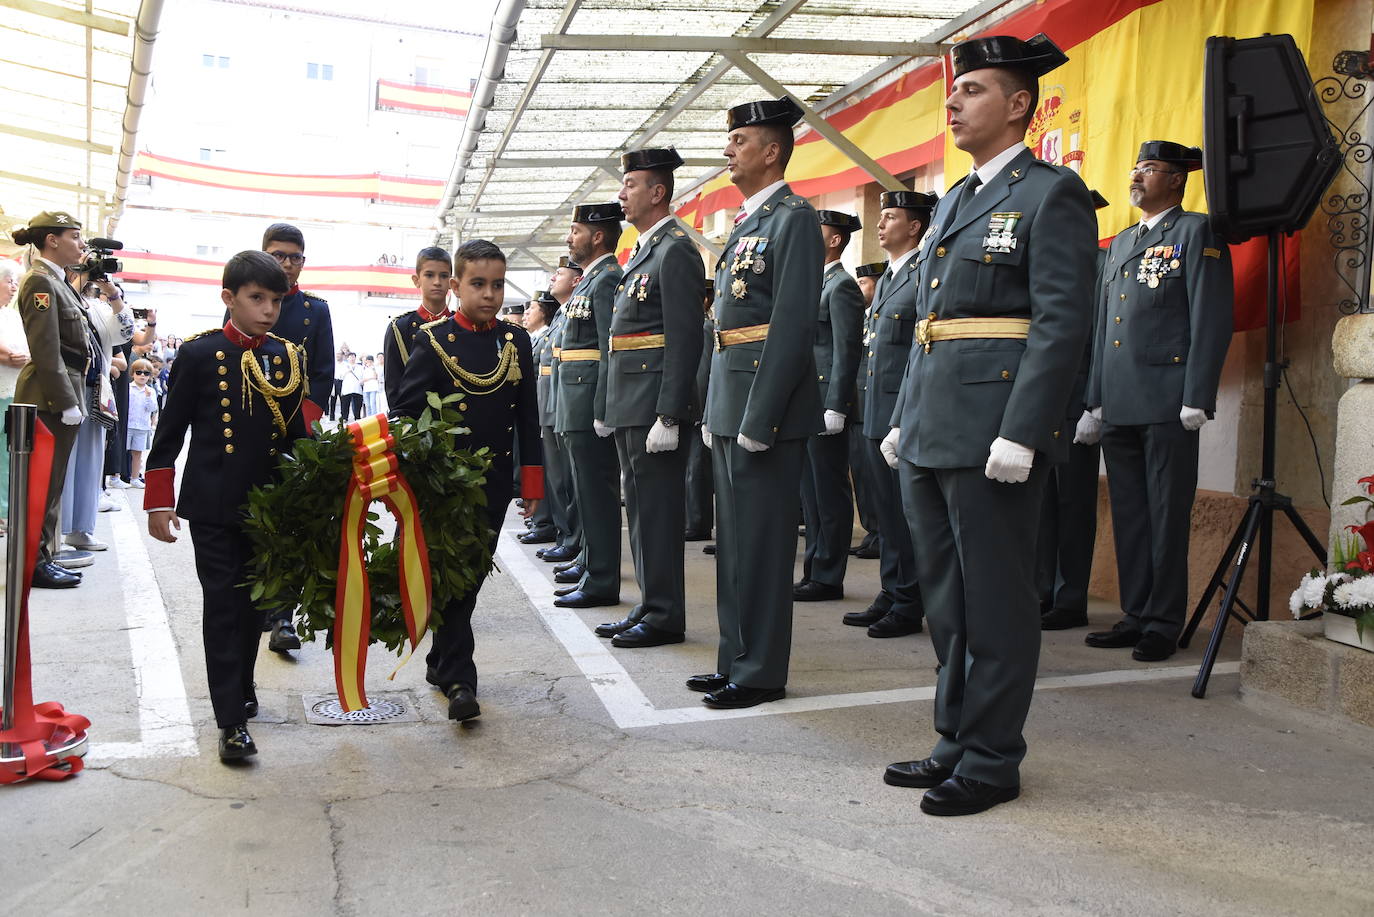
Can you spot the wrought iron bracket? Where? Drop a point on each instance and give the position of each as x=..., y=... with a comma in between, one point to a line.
x=1347, y=206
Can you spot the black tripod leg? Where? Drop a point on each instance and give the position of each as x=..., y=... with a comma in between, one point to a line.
x=1247, y=538
x=1300, y=524
x=1205, y=602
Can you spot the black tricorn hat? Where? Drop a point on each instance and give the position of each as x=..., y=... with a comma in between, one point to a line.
x=1098, y=200
x=870, y=270
x=547, y=300
x=1187, y=158
x=839, y=219
x=911, y=200
x=654, y=158
x=1038, y=54
x=598, y=213
x=768, y=111
x=570, y=264
x=517, y=308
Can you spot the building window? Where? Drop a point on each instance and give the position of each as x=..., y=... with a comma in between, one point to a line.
x=207, y=60
x=207, y=154
x=212, y=60
x=224, y=63
x=209, y=249
x=315, y=71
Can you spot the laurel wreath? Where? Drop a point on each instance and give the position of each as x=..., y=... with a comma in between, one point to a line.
x=293, y=524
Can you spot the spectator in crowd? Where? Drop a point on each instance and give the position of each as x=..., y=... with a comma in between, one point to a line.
x=14, y=353
x=336, y=397
x=142, y=416
x=351, y=388
x=379, y=364
x=371, y=385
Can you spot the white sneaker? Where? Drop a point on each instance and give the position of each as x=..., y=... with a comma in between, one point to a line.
x=118, y=482
x=84, y=542
x=108, y=505
x=137, y=482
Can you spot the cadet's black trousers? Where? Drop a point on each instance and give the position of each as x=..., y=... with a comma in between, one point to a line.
x=230, y=626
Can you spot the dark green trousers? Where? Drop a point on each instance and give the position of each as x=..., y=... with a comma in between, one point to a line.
x=558, y=489
x=596, y=489
x=1068, y=531
x=654, y=508
x=700, y=485
x=827, y=507
x=896, y=554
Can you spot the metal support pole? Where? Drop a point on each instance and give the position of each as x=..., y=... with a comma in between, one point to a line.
x=19, y=421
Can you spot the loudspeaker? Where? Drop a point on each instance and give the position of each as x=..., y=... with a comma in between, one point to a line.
x=1268, y=153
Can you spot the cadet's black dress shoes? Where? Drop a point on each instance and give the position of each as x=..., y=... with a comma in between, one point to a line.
x=235, y=743
x=579, y=599
x=894, y=625
x=734, y=697
x=283, y=637
x=462, y=703
x=250, y=706
x=866, y=618
x=1063, y=619
x=51, y=576
x=925, y=773
x=965, y=796
x=558, y=555
x=432, y=676
x=611, y=628
x=538, y=536
x=571, y=575
x=812, y=591
x=1121, y=634
x=1153, y=647
x=696, y=536
x=704, y=683
x=644, y=635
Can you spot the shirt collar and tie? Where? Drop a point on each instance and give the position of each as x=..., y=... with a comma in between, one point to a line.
x=757, y=200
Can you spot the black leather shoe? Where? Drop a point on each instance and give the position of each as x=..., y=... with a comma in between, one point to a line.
x=49, y=576
x=735, y=697
x=250, y=708
x=560, y=568
x=571, y=575
x=1153, y=648
x=704, y=683
x=645, y=635
x=813, y=591
x=611, y=628
x=964, y=796
x=866, y=618
x=538, y=536
x=894, y=625
x=566, y=590
x=925, y=773
x=1121, y=634
x=867, y=549
x=235, y=743
x=462, y=703
x=558, y=555
x=283, y=638
x=579, y=599
x=709, y=549
x=696, y=536
x=1063, y=619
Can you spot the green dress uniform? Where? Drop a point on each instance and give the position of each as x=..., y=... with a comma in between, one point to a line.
x=701, y=489
x=557, y=507
x=1164, y=324
x=763, y=385
x=397, y=343
x=859, y=471
x=827, y=497
x=654, y=347
x=1017, y=257
x=581, y=400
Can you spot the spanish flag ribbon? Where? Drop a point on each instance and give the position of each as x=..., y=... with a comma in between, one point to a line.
x=376, y=476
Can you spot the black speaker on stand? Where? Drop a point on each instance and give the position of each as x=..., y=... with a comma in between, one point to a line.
x=1268, y=156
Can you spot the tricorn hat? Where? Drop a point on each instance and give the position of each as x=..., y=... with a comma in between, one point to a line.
x=516, y=308
x=870, y=270
x=655, y=158
x=570, y=264
x=1187, y=158
x=1098, y=200
x=839, y=219
x=782, y=111
x=598, y=213
x=54, y=219
x=911, y=200
x=1038, y=54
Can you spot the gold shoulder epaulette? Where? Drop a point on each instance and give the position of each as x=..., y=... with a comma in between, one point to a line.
x=437, y=321
x=201, y=334
x=310, y=295
x=679, y=233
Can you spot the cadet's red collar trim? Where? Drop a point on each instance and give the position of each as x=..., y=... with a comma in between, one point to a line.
x=239, y=339
x=295, y=288
x=428, y=316
x=469, y=324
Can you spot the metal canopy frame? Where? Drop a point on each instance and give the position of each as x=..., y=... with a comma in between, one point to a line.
x=581, y=81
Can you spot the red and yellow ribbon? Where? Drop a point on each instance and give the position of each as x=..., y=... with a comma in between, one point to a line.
x=376, y=476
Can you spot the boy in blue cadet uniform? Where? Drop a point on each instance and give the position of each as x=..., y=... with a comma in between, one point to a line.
x=827, y=498
x=1004, y=285
x=432, y=277
x=241, y=391
x=489, y=362
x=866, y=276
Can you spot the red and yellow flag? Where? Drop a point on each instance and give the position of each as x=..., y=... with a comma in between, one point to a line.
x=425, y=100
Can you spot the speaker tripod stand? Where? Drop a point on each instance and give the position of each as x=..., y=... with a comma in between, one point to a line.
x=1255, y=533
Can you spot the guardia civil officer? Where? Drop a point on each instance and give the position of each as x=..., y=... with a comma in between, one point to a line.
x=1164, y=324
x=1068, y=517
x=902, y=223
x=552, y=522
x=581, y=407
x=654, y=346
x=866, y=276
x=557, y=464
x=1005, y=277
x=762, y=405
x=701, y=489
x=827, y=498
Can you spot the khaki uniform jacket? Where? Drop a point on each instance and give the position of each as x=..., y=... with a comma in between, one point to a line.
x=58, y=332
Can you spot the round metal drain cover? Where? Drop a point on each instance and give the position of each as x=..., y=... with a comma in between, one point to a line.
x=379, y=711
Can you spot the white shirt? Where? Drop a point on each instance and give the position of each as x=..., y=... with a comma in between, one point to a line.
x=12, y=336
x=828, y=265
x=1150, y=223
x=352, y=379
x=650, y=231
x=587, y=268
x=757, y=200
x=61, y=272
x=899, y=262
x=994, y=166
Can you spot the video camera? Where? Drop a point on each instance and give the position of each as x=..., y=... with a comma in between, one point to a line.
x=99, y=262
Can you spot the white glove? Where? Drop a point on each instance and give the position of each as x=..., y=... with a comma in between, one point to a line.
x=72, y=416
x=834, y=423
x=661, y=438
x=751, y=445
x=601, y=429
x=706, y=436
x=1192, y=418
x=1009, y=462
x=888, y=447
x=1089, y=429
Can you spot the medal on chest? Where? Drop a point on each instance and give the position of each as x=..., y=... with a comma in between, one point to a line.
x=1001, y=237
x=1158, y=262
x=639, y=287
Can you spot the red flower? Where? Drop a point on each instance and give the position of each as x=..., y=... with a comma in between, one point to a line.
x=1363, y=561
x=1366, y=532
x=1368, y=483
